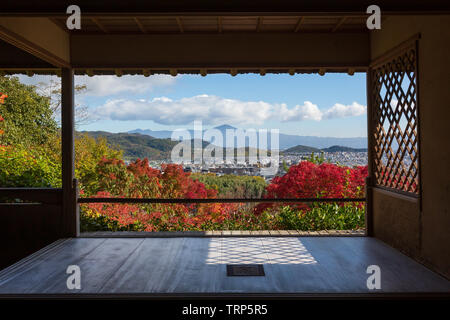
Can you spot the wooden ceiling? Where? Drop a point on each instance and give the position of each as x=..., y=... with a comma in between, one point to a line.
x=232, y=36
x=298, y=7
x=215, y=24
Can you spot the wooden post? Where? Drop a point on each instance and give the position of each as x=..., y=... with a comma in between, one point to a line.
x=370, y=155
x=70, y=213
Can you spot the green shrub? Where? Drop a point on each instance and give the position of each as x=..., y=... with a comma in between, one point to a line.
x=20, y=167
x=88, y=153
x=321, y=216
x=28, y=115
x=91, y=222
x=232, y=186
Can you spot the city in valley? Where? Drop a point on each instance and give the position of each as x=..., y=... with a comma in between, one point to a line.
x=244, y=168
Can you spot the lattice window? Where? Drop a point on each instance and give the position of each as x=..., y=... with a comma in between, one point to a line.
x=395, y=122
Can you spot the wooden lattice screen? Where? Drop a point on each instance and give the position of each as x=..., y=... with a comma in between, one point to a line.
x=395, y=121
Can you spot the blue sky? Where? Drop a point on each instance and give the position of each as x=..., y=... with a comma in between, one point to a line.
x=303, y=104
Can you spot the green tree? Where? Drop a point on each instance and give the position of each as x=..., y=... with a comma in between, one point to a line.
x=52, y=91
x=232, y=186
x=88, y=153
x=285, y=166
x=28, y=116
x=316, y=159
x=30, y=143
x=28, y=167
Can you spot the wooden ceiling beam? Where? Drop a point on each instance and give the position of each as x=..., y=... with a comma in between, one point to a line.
x=339, y=24
x=260, y=22
x=224, y=52
x=140, y=25
x=59, y=24
x=20, y=34
x=180, y=24
x=99, y=25
x=172, y=14
x=299, y=24
x=219, y=24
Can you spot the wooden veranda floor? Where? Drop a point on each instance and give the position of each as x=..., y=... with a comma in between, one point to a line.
x=293, y=265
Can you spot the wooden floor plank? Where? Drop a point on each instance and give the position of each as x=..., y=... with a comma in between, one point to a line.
x=97, y=267
x=244, y=251
x=146, y=270
x=198, y=265
x=295, y=268
x=337, y=268
x=193, y=268
x=399, y=272
x=47, y=269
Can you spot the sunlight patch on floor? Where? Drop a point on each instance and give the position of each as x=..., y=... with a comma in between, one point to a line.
x=258, y=251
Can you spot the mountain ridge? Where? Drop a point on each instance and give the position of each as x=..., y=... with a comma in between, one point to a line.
x=286, y=141
x=136, y=145
x=307, y=149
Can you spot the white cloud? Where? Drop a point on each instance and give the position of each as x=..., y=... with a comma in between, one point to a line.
x=209, y=109
x=308, y=111
x=112, y=85
x=217, y=110
x=109, y=85
x=341, y=111
x=37, y=79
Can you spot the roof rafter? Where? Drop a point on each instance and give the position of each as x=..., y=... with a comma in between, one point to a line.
x=260, y=22
x=219, y=24
x=140, y=25
x=60, y=24
x=299, y=24
x=100, y=25
x=180, y=24
x=339, y=24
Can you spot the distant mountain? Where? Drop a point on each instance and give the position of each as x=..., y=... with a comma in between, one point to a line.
x=305, y=149
x=301, y=149
x=344, y=149
x=224, y=127
x=164, y=134
x=286, y=141
x=136, y=145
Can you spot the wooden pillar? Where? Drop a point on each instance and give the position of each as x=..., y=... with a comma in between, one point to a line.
x=370, y=155
x=70, y=214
